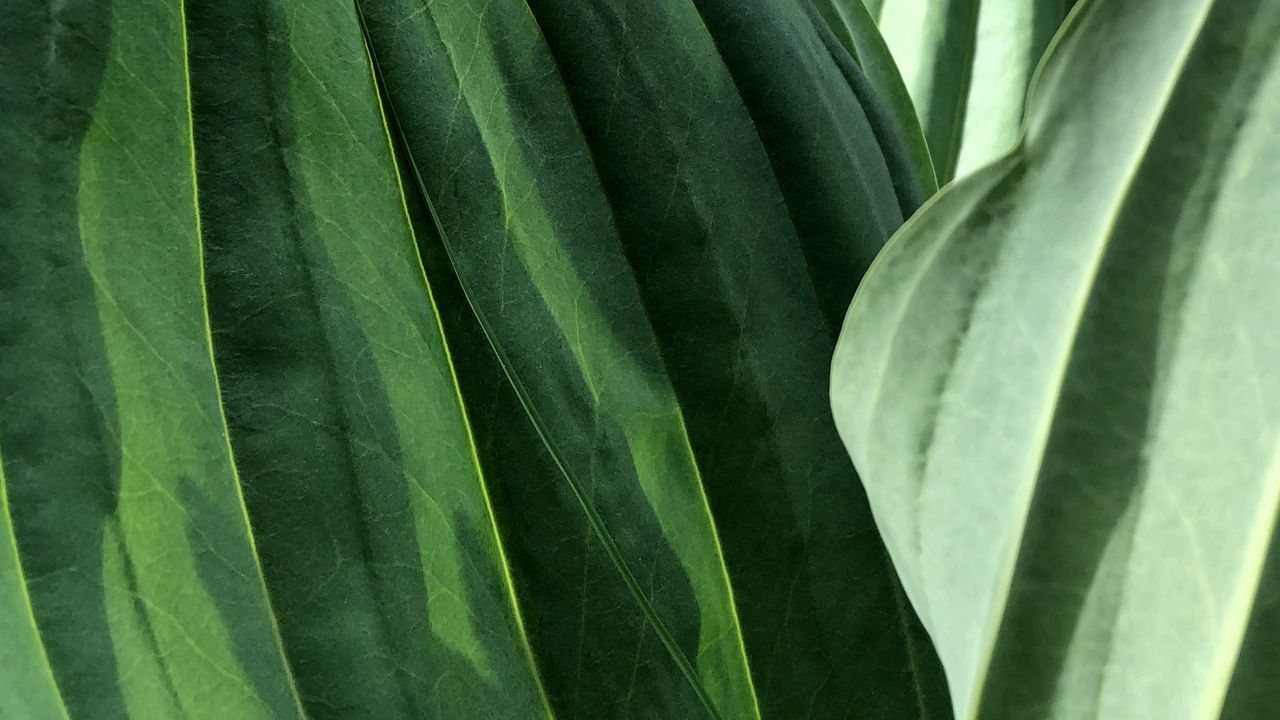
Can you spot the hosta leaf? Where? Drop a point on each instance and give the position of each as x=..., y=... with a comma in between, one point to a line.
x=135, y=552
x=1060, y=382
x=967, y=64
x=656, y=213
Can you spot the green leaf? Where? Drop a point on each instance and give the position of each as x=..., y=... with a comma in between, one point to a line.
x=656, y=210
x=29, y=688
x=855, y=28
x=380, y=552
x=1060, y=382
x=380, y=549
x=967, y=65
x=574, y=459
x=134, y=547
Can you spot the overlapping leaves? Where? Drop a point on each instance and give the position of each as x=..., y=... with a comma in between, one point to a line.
x=530, y=424
x=1060, y=382
x=966, y=65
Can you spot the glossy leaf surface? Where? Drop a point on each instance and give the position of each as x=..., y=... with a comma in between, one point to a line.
x=1060, y=382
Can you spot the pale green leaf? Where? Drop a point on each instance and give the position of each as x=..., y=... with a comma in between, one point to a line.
x=1061, y=382
x=967, y=65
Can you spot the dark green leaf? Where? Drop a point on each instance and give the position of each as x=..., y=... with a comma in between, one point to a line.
x=853, y=25
x=121, y=490
x=625, y=498
x=381, y=553
x=658, y=216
